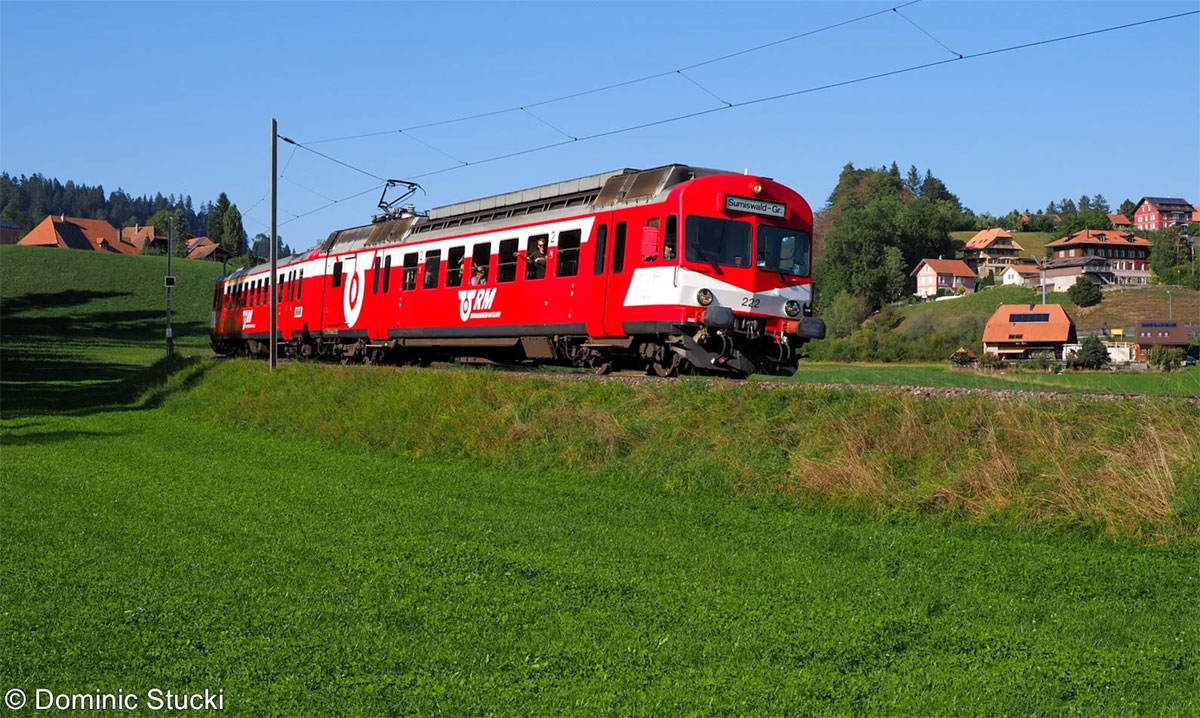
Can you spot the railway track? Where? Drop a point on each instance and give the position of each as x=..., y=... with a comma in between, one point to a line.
x=918, y=390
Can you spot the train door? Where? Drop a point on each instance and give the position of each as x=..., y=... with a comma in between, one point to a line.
x=617, y=280
x=597, y=271
x=339, y=271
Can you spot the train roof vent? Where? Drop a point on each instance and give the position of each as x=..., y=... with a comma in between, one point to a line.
x=391, y=232
x=635, y=185
x=347, y=236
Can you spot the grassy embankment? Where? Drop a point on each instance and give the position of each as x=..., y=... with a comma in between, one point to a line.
x=368, y=541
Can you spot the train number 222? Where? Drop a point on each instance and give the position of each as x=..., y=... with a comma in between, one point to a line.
x=750, y=301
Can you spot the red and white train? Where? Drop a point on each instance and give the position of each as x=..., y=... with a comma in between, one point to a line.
x=670, y=269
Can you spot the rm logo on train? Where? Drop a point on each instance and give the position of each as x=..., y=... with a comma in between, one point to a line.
x=476, y=303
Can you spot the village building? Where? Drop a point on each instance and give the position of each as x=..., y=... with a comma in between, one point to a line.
x=1126, y=256
x=1120, y=221
x=1021, y=275
x=141, y=237
x=1016, y=331
x=1159, y=332
x=9, y=232
x=952, y=275
x=65, y=232
x=1162, y=212
x=991, y=251
x=1061, y=274
x=205, y=248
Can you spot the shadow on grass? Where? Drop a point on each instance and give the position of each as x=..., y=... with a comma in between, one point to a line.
x=50, y=437
x=47, y=364
x=120, y=393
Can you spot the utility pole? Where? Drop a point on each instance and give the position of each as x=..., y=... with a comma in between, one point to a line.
x=169, y=281
x=274, y=242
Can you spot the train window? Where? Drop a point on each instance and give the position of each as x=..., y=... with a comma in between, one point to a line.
x=433, y=263
x=409, y=280
x=454, y=266
x=568, y=253
x=536, y=256
x=258, y=291
x=387, y=273
x=481, y=257
x=300, y=286
x=292, y=287
x=375, y=272
x=670, y=238
x=714, y=241
x=650, y=240
x=618, y=263
x=601, y=241
x=507, y=271
x=337, y=273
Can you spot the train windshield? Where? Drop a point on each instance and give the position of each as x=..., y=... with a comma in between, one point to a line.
x=783, y=250
x=717, y=241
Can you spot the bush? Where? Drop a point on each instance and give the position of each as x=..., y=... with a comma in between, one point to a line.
x=1092, y=354
x=844, y=315
x=1166, y=358
x=960, y=359
x=992, y=361
x=1183, y=275
x=1042, y=361
x=1084, y=292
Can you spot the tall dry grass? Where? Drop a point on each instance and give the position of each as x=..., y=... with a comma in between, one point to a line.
x=1124, y=468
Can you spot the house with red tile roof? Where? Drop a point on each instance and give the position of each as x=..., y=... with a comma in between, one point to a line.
x=1119, y=221
x=140, y=237
x=991, y=251
x=205, y=248
x=1162, y=212
x=1015, y=331
x=74, y=233
x=949, y=274
x=1127, y=255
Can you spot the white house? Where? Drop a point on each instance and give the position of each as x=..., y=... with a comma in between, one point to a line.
x=1021, y=275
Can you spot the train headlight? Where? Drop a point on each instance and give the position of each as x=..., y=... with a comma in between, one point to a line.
x=792, y=307
x=756, y=188
x=705, y=297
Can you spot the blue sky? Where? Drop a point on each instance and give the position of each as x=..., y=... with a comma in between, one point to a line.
x=177, y=97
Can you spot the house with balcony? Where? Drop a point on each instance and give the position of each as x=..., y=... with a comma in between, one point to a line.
x=1017, y=331
x=991, y=251
x=952, y=275
x=1162, y=212
x=1126, y=256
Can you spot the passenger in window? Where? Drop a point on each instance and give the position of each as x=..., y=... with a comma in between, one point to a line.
x=537, y=260
x=669, y=252
x=478, y=275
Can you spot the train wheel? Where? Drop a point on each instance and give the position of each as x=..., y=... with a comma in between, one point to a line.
x=601, y=367
x=667, y=368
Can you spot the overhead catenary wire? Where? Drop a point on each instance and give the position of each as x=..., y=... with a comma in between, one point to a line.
x=927, y=33
x=623, y=83
x=744, y=103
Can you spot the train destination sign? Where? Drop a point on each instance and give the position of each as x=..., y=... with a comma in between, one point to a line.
x=755, y=206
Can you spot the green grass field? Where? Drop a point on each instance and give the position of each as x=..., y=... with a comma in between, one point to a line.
x=367, y=541
x=1179, y=383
